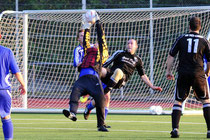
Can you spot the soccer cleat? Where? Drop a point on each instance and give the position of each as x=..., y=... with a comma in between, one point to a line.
x=107, y=126
x=174, y=133
x=103, y=129
x=86, y=112
x=69, y=115
x=208, y=135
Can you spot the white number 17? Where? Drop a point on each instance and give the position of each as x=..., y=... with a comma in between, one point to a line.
x=190, y=45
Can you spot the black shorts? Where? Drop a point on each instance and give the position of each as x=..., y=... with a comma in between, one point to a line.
x=106, y=79
x=198, y=83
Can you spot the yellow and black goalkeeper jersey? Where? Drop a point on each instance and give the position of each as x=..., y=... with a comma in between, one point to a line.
x=95, y=57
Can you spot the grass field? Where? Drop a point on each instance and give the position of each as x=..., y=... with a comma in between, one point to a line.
x=124, y=127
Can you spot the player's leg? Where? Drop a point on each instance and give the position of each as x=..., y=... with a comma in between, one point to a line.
x=5, y=106
x=181, y=92
x=77, y=91
x=114, y=79
x=201, y=91
x=107, y=96
x=96, y=91
x=91, y=105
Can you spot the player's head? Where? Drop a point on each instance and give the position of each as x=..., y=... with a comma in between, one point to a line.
x=80, y=36
x=195, y=24
x=132, y=46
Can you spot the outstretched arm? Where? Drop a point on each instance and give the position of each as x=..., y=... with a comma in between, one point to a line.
x=147, y=81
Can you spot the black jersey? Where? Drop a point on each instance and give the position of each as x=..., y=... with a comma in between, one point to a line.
x=191, y=47
x=126, y=62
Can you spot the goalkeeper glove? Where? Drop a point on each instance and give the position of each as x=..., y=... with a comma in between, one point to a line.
x=86, y=24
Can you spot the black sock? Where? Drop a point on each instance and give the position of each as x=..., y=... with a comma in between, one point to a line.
x=176, y=115
x=206, y=114
x=109, y=86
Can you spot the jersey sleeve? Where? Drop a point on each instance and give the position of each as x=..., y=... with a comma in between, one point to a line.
x=103, y=49
x=86, y=41
x=175, y=47
x=112, y=58
x=77, y=56
x=13, y=64
x=207, y=50
x=140, y=68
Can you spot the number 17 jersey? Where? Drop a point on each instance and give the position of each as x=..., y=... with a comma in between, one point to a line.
x=191, y=47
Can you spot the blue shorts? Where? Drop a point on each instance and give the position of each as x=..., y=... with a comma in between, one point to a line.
x=5, y=103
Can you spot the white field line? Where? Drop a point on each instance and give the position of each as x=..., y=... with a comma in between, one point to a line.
x=93, y=121
x=111, y=130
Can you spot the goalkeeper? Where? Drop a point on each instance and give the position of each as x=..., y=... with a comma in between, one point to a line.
x=124, y=64
x=78, y=58
x=89, y=80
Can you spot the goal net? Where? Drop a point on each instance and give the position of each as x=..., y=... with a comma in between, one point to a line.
x=43, y=44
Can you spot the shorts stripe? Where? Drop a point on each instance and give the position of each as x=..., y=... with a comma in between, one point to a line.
x=206, y=105
x=176, y=93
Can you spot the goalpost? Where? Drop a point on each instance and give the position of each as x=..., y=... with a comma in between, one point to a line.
x=43, y=42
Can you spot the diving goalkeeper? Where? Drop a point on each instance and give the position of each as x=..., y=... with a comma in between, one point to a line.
x=124, y=64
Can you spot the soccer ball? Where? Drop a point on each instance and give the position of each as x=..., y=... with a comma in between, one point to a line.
x=156, y=110
x=159, y=110
x=91, y=16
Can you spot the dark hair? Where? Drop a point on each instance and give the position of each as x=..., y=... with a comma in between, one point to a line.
x=195, y=23
x=79, y=31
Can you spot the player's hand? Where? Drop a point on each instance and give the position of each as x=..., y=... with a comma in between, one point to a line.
x=169, y=76
x=157, y=88
x=85, y=24
x=22, y=90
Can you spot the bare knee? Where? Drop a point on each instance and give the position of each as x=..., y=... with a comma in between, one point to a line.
x=118, y=74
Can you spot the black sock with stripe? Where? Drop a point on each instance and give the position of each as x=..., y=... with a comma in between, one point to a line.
x=206, y=114
x=176, y=115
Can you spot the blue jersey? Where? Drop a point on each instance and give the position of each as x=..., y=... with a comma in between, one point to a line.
x=205, y=67
x=78, y=55
x=7, y=63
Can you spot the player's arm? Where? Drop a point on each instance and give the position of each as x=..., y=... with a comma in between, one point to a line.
x=148, y=82
x=144, y=77
x=16, y=71
x=170, y=59
x=86, y=39
x=169, y=64
x=77, y=57
x=102, y=41
x=19, y=77
x=112, y=58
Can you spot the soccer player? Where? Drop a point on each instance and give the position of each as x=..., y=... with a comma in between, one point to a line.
x=7, y=64
x=191, y=48
x=89, y=79
x=124, y=64
x=78, y=51
x=78, y=57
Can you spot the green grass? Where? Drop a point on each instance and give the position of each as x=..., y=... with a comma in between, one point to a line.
x=124, y=127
